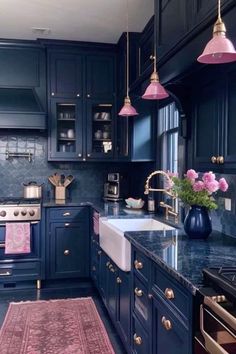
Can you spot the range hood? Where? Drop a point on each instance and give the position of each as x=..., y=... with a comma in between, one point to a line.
x=20, y=108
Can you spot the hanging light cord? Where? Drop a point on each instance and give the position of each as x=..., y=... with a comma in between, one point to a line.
x=127, y=49
x=219, y=14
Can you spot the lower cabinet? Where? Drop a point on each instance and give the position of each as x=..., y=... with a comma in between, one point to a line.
x=67, y=244
x=161, y=310
x=114, y=288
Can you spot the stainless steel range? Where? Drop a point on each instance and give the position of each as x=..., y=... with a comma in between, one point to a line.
x=19, y=209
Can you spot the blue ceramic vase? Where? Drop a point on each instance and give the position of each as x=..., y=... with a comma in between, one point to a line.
x=197, y=223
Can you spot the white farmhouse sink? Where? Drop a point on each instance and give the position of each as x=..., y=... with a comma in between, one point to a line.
x=113, y=242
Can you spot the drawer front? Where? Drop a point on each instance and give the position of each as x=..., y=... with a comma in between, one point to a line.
x=139, y=339
x=170, y=336
x=141, y=301
x=173, y=293
x=74, y=214
x=20, y=271
x=141, y=265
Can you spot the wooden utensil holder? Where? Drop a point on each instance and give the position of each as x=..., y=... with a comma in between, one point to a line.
x=60, y=193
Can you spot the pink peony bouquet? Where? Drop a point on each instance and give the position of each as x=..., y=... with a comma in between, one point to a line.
x=195, y=191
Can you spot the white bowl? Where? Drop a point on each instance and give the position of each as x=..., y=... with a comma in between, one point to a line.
x=134, y=203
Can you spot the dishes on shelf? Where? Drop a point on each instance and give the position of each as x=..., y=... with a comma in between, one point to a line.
x=102, y=116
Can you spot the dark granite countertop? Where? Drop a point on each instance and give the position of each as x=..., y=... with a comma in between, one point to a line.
x=184, y=258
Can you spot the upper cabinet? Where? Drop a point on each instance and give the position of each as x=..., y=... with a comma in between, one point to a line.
x=81, y=100
x=214, y=122
x=146, y=48
x=66, y=75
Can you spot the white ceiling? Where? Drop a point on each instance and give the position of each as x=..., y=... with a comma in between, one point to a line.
x=83, y=20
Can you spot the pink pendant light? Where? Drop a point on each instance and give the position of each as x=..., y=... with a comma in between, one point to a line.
x=219, y=49
x=127, y=110
x=155, y=91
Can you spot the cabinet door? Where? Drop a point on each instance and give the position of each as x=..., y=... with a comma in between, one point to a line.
x=68, y=250
x=100, y=76
x=112, y=290
x=206, y=129
x=146, y=47
x=169, y=334
x=65, y=75
x=123, y=130
x=65, y=141
x=123, y=306
x=100, y=132
x=104, y=260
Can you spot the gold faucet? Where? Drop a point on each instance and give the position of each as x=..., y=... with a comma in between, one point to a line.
x=170, y=209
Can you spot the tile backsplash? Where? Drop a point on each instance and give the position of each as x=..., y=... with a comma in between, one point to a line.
x=89, y=176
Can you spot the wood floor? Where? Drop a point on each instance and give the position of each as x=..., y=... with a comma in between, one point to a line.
x=62, y=291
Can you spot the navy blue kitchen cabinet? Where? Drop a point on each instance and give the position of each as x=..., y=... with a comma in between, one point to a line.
x=66, y=75
x=66, y=129
x=67, y=243
x=86, y=78
x=213, y=111
x=146, y=48
x=114, y=288
x=161, y=310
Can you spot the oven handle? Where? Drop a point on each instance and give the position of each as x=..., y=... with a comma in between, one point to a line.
x=221, y=312
x=31, y=223
x=211, y=345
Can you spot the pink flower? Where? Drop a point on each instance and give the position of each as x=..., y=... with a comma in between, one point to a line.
x=212, y=187
x=192, y=174
x=223, y=185
x=198, y=186
x=208, y=177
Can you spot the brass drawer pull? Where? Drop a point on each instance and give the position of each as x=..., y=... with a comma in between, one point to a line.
x=118, y=280
x=169, y=293
x=112, y=269
x=137, y=339
x=66, y=252
x=138, y=264
x=5, y=274
x=67, y=224
x=138, y=292
x=166, y=323
x=107, y=264
x=66, y=213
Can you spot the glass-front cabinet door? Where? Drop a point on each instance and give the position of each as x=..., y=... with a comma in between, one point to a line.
x=100, y=132
x=66, y=130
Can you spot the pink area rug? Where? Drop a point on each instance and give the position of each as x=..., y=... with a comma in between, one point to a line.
x=71, y=326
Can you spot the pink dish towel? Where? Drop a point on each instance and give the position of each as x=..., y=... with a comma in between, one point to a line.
x=17, y=238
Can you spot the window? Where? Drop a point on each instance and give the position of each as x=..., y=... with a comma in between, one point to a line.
x=168, y=124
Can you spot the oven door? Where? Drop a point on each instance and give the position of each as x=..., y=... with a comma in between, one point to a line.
x=218, y=326
x=34, y=243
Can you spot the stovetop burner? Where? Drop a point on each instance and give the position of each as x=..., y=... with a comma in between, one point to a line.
x=223, y=279
x=18, y=201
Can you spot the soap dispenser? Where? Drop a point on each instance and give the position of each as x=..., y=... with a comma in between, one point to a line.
x=151, y=203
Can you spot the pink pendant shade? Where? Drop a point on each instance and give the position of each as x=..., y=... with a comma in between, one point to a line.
x=127, y=110
x=155, y=91
x=219, y=49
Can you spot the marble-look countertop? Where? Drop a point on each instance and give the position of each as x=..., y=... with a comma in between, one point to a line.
x=184, y=258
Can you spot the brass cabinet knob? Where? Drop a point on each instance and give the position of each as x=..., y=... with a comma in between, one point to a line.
x=78, y=95
x=112, y=269
x=88, y=95
x=94, y=268
x=107, y=264
x=67, y=213
x=220, y=160
x=150, y=296
x=166, y=323
x=169, y=293
x=152, y=57
x=88, y=155
x=53, y=94
x=67, y=224
x=137, y=339
x=138, y=292
x=213, y=159
x=84, y=159
x=138, y=264
x=99, y=253
x=118, y=280
x=66, y=252
x=79, y=155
